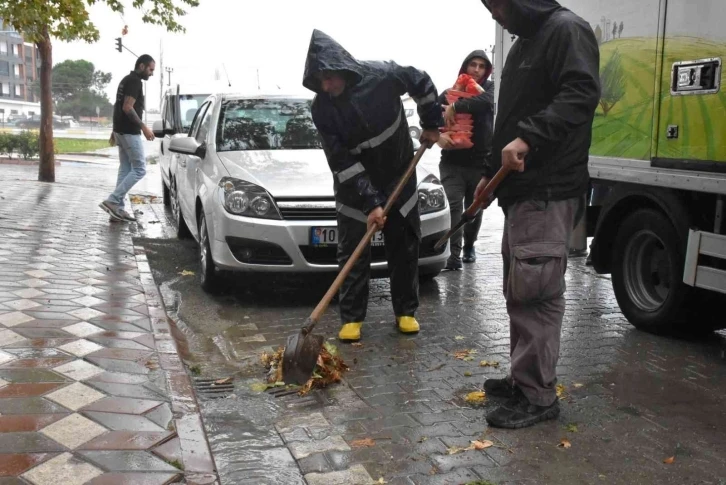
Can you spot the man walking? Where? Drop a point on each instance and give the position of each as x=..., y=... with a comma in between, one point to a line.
x=127, y=130
x=359, y=115
x=547, y=98
x=461, y=169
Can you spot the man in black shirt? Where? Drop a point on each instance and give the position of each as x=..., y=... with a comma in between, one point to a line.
x=127, y=130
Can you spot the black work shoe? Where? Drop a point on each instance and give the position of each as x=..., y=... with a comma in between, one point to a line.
x=469, y=255
x=518, y=412
x=453, y=264
x=498, y=388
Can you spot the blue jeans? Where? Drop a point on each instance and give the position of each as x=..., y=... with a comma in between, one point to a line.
x=132, y=166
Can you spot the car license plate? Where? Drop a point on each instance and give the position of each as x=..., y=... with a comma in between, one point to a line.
x=324, y=236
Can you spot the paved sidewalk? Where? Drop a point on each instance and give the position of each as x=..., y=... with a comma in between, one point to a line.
x=92, y=390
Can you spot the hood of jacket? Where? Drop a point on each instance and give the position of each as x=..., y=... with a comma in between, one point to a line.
x=526, y=16
x=325, y=54
x=483, y=55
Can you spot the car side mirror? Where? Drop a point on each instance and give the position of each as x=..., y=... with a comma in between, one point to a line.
x=187, y=146
x=161, y=129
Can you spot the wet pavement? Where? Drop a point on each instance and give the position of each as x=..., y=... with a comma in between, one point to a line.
x=630, y=400
x=92, y=389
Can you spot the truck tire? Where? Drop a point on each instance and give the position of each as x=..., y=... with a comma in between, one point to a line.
x=647, y=271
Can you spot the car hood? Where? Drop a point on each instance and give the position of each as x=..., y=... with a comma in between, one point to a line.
x=287, y=173
x=283, y=173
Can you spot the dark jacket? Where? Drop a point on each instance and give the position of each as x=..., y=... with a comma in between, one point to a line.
x=548, y=93
x=482, y=109
x=364, y=130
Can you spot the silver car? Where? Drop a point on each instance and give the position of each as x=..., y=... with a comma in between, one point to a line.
x=253, y=187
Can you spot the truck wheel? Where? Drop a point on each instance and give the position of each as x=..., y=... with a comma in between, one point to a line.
x=647, y=272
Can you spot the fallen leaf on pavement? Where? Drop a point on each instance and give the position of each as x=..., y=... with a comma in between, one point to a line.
x=572, y=428
x=258, y=387
x=577, y=385
x=565, y=443
x=356, y=344
x=488, y=363
x=669, y=460
x=422, y=439
x=467, y=374
x=186, y=272
x=381, y=480
x=481, y=445
x=366, y=442
x=226, y=380
x=465, y=354
x=561, y=390
x=459, y=337
x=475, y=397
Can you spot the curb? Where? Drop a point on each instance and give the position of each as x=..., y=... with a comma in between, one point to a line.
x=199, y=466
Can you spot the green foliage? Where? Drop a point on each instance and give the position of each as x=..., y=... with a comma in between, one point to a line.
x=25, y=143
x=612, y=83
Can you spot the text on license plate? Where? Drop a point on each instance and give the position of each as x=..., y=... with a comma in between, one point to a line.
x=321, y=236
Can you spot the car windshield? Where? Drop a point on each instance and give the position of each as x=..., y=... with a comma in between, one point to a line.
x=188, y=106
x=266, y=124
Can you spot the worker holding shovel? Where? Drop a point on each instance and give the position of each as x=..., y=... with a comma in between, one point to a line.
x=547, y=98
x=360, y=118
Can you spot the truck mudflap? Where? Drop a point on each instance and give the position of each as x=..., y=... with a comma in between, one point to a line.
x=705, y=276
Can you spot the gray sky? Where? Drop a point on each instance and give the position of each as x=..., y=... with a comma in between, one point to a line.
x=273, y=35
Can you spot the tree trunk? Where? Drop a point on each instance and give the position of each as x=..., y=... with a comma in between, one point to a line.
x=46, y=169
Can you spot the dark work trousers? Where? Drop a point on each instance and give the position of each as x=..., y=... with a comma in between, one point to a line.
x=460, y=183
x=402, y=245
x=535, y=245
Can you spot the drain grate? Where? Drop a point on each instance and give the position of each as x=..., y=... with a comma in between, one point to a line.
x=214, y=388
x=281, y=391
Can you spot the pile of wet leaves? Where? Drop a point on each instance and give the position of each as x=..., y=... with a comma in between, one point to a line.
x=328, y=370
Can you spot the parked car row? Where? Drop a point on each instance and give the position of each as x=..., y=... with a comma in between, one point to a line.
x=33, y=121
x=247, y=178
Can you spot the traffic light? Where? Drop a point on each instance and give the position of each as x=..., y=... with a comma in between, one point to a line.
x=119, y=46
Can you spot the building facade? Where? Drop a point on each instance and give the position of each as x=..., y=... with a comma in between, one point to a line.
x=19, y=71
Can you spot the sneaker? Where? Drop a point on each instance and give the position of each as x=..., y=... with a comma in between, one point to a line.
x=112, y=210
x=469, y=254
x=518, y=412
x=126, y=216
x=498, y=387
x=453, y=264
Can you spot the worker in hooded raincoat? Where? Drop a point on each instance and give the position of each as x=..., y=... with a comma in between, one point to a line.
x=360, y=117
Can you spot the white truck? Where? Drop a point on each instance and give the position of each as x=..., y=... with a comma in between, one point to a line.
x=658, y=158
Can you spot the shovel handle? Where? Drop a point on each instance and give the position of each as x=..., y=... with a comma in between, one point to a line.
x=323, y=305
x=474, y=208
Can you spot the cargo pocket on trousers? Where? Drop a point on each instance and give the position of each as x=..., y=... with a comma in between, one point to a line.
x=537, y=272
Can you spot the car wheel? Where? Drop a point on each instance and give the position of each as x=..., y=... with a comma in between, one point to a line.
x=647, y=271
x=414, y=132
x=165, y=192
x=209, y=276
x=182, y=231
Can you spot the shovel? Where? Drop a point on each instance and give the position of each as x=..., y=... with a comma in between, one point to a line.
x=302, y=349
x=473, y=210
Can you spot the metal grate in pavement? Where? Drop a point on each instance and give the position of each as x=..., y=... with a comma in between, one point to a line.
x=214, y=388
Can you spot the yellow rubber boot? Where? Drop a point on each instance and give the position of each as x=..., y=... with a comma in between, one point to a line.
x=407, y=324
x=350, y=332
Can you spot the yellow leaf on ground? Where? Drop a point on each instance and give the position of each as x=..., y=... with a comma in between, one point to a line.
x=226, y=380
x=381, y=481
x=459, y=337
x=481, y=445
x=364, y=443
x=561, y=390
x=669, y=460
x=465, y=354
x=467, y=374
x=572, y=428
x=258, y=387
x=475, y=397
x=577, y=385
x=565, y=443
x=186, y=272
x=488, y=363
x=356, y=344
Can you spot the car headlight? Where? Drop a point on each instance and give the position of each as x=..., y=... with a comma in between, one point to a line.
x=431, y=195
x=243, y=198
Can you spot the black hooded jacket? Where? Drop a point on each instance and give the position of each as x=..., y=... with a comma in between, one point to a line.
x=549, y=89
x=364, y=130
x=482, y=109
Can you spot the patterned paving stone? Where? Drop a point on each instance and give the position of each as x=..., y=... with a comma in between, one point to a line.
x=161, y=415
x=127, y=461
x=135, y=479
x=28, y=389
x=26, y=423
x=86, y=313
x=21, y=305
x=74, y=430
x=90, y=290
x=39, y=363
x=30, y=442
x=12, y=319
x=38, y=273
x=124, y=390
x=121, y=378
x=75, y=396
x=33, y=283
x=123, y=405
x=88, y=301
x=79, y=370
x=117, y=343
x=15, y=464
x=83, y=329
x=65, y=469
x=31, y=375
x=170, y=451
x=80, y=348
x=6, y=357
x=126, y=440
x=124, y=366
x=123, y=422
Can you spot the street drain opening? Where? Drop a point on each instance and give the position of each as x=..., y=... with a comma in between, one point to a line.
x=282, y=391
x=214, y=388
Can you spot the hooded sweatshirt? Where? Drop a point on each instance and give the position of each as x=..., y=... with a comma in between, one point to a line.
x=482, y=109
x=364, y=130
x=549, y=89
